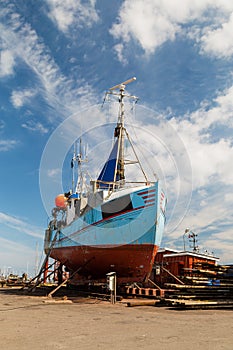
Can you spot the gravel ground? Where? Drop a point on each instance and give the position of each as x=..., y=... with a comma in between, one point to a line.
x=34, y=322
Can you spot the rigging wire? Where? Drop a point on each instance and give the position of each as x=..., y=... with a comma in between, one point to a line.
x=137, y=138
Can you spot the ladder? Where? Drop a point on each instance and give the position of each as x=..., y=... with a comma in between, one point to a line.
x=32, y=286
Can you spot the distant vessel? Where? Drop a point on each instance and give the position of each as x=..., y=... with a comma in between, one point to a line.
x=115, y=226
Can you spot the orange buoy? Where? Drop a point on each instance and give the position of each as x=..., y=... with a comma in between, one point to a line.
x=61, y=201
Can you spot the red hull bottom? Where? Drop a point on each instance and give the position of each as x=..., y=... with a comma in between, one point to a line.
x=132, y=263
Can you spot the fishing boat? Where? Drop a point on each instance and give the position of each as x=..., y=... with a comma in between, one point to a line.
x=115, y=226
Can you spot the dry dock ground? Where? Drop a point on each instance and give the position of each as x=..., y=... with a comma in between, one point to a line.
x=30, y=322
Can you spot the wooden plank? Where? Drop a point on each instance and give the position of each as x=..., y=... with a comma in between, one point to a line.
x=54, y=301
x=202, y=304
x=188, y=286
x=142, y=303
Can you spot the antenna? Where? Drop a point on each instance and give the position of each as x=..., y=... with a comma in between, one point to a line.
x=73, y=160
x=79, y=160
x=122, y=85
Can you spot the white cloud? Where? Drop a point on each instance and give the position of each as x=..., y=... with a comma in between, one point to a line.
x=119, y=48
x=212, y=222
x=227, y=235
x=16, y=257
x=20, y=97
x=211, y=155
x=210, y=158
x=72, y=13
x=8, y=245
x=2, y=124
x=35, y=126
x=7, y=63
x=220, y=247
x=17, y=236
x=7, y=145
x=153, y=22
x=143, y=21
x=20, y=225
x=57, y=89
x=53, y=173
x=219, y=42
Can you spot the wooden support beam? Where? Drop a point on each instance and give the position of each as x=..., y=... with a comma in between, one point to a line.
x=67, y=279
x=171, y=274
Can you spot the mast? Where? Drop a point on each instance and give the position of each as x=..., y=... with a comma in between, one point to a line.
x=120, y=129
x=113, y=172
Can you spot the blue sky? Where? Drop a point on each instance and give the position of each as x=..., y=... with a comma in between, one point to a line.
x=58, y=57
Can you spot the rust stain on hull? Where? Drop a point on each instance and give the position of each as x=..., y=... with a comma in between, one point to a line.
x=130, y=262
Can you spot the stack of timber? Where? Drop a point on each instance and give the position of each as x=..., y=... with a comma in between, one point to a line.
x=210, y=288
x=207, y=274
x=197, y=304
x=217, y=294
x=201, y=292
